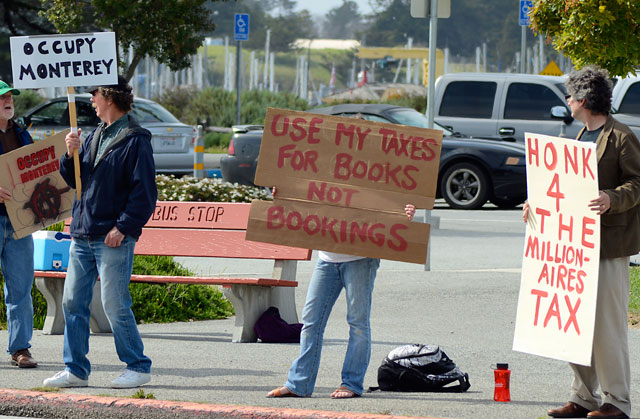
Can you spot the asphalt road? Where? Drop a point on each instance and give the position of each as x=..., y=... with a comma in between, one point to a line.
x=466, y=304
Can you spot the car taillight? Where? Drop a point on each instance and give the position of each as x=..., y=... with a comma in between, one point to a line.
x=231, y=151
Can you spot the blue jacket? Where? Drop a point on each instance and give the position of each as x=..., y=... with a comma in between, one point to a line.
x=25, y=139
x=120, y=190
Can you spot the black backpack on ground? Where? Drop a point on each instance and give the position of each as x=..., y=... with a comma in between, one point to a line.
x=420, y=368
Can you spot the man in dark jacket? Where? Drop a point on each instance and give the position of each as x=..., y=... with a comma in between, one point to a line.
x=16, y=256
x=118, y=196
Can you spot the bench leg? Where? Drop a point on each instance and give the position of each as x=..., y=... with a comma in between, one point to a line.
x=249, y=302
x=285, y=297
x=52, y=290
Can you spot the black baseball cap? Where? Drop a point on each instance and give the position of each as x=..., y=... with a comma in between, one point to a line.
x=122, y=86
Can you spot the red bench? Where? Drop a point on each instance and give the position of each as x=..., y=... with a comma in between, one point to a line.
x=200, y=229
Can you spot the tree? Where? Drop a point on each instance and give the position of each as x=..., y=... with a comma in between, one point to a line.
x=592, y=31
x=169, y=30
x=286, y=25
x=287, y=28
x=20, y=17
x=344, y=21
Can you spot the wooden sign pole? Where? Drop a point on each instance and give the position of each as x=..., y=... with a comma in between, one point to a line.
x=73, y=121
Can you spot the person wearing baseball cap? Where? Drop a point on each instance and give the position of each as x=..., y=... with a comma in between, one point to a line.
x=16, y=255
x=121, y=86
x=118, y=196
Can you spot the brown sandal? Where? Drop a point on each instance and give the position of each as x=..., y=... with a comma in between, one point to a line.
x=281, y=392
x=343, y=389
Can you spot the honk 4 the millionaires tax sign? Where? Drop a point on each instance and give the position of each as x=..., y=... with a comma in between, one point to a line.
x=557, y=300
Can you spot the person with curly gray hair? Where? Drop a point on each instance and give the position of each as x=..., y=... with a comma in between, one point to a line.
x=617, y=204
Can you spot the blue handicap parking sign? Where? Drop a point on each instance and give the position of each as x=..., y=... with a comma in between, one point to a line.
x=241, y=30
x=525, y=7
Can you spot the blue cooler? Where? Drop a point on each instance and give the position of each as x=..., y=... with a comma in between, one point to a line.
x=51, y=250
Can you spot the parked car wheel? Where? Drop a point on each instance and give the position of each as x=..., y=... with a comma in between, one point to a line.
x=507, y=203
x=465, y=186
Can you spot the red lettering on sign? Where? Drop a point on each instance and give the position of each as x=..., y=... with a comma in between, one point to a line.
x=297, y=159
x=565, y=227
x=339, y=231
x=532, y=147
x=586, y=231
x=555, y=193
x=334, y=194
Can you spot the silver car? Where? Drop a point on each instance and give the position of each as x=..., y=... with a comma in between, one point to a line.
x=172, y=140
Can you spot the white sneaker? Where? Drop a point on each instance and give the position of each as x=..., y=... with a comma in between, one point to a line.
x=130, y=378
x=65, y=379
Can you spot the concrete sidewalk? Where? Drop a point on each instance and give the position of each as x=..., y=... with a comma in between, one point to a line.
x=466, y=304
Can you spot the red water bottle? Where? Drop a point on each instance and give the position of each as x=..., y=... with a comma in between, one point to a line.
x=502, y=376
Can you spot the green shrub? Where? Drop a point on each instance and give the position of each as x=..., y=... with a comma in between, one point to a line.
x=216, y=140
x=162, y=303
x=215, y=106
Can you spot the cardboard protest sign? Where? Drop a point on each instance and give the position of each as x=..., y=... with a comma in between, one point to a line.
x=342, y=184
x=559, y=285
x=64, y=60
x=32, y=175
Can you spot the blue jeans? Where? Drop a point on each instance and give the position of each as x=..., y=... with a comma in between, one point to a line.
x=328, y=280
x=89, y=258
x=16, y=259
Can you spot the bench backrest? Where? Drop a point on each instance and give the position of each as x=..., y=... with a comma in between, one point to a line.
x=207, y=229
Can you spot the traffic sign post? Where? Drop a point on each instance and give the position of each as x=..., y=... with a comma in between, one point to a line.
x=241, y=29
x=240, y=33
x=525, y=8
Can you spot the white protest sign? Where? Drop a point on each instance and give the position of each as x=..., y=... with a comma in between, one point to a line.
x=64, y=60
x=559, y=284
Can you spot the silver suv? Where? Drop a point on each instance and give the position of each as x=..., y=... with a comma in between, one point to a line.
x=502, y=106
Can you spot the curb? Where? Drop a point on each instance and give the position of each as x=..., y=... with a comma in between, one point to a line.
x=61, y=405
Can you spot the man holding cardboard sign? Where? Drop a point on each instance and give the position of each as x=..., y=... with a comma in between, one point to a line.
x=618, y=205
x=16, y=255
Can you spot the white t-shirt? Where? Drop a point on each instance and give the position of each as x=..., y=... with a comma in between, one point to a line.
x=337, y=257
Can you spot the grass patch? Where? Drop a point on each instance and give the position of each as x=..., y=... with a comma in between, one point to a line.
x=140, y=394
x=634, y=297
x=46, y=389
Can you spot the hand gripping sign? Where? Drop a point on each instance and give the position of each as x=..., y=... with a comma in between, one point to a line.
x=559, y=284
x=65, y=60
x=342, y=185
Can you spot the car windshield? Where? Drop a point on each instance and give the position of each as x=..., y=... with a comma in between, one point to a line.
x=152, y=112
x=414, y=118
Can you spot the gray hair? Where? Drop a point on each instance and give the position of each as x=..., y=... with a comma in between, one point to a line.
x=593, y=84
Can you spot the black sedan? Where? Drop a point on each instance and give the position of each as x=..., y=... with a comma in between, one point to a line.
x=472, y=171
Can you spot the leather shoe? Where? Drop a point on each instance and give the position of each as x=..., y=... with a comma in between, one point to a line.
x=569, y=410
x=608, y=411
x=23, y=359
